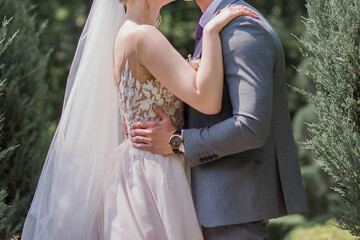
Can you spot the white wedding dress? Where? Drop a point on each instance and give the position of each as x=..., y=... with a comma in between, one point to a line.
x=92, y=188
x=147, y=196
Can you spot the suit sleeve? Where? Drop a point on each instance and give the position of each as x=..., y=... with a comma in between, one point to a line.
x=249, y=55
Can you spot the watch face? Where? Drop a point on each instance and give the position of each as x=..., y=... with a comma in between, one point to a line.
x=175, y=142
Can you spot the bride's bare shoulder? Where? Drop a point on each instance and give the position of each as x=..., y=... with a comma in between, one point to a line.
x=143, y=35
x=144, y=39
x=150, y=36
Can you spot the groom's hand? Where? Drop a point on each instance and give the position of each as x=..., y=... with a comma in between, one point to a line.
x=153, y=136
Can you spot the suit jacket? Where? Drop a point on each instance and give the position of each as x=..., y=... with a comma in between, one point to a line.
x=243, y=159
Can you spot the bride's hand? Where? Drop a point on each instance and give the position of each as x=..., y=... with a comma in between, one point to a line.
x=225, y=15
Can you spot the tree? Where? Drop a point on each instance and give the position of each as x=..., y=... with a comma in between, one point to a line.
x=4, y=43
x=65, y=20
x=22, y=107
x=333, y=51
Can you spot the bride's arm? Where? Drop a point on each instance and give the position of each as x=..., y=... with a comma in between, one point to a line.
x=202, y=89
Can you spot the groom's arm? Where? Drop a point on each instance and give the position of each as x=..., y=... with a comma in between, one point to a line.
x=249, y=56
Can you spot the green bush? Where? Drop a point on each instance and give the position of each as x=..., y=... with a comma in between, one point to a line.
x=316, y=185
x=22, y=110
x=279, y=227
x=327, y=231
x=4, y=43
x=333, y=49
x=3, y=208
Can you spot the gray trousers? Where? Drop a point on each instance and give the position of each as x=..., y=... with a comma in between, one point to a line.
x=244, y=231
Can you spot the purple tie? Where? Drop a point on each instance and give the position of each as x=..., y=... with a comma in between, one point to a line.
x=198, y=35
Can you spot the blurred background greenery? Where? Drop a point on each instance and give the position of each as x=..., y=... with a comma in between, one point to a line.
x=52, y=28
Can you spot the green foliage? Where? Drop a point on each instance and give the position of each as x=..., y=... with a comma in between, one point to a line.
x=333, y=52
x=3, y=208
x=279, y=227
x=316, y=185
x=303, y=116
x=4, y=43
x=327, y=231
x=21, y=105
x=64, y=20
x=179, y=21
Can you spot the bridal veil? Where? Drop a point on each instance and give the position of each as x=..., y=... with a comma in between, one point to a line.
x=68, y=196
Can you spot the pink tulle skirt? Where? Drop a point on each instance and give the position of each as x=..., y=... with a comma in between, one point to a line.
x=148, y=196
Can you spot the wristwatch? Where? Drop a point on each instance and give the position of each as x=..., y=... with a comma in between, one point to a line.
x=176, y=141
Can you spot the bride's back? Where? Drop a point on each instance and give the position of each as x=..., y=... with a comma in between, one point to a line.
x=137, y=88
x=125, y=52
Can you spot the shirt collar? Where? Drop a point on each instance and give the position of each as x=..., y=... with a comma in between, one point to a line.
x=209, y=12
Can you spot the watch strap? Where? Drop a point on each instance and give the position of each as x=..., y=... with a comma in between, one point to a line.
x=177, y=132
x=176, y=151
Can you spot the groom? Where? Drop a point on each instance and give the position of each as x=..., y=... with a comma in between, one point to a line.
x=244, y=164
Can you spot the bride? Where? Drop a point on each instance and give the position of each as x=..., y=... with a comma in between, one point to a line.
x=92, y=187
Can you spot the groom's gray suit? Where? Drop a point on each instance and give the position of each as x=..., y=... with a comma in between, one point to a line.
x=243, y=159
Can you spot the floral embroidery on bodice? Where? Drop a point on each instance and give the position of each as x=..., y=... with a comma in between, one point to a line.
x=136, y=100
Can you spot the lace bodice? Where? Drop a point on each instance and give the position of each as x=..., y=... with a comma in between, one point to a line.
x=136, y=99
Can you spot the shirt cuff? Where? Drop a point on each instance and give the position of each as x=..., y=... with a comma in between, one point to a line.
x=182, y=149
